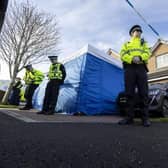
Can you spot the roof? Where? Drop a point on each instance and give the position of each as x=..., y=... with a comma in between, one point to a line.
x=94, y=51
x=159, y=41
x=158, y=75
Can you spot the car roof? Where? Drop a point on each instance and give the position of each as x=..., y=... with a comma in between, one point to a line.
x=158, y=85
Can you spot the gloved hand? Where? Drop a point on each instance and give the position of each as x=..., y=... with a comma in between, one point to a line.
x=136, y=60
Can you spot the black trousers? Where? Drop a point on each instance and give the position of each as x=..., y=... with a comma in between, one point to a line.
x=136, y=76
x=51, y=96
x=15, y=97
x=29, y=94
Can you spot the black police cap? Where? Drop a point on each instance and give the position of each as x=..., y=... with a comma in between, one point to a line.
x=135, y=27
x=28, y=66
x=53, y=57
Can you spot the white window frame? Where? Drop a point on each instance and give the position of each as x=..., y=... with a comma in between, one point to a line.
x=162, y=61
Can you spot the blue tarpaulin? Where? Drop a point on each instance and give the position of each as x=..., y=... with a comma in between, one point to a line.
x=93, y=82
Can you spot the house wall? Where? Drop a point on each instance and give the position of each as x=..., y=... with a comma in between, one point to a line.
x=161, y=49
x=152, y=65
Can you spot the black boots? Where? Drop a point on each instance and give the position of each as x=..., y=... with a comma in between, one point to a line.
x=46, y=112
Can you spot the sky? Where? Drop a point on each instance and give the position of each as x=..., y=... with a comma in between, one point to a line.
x=103, y=23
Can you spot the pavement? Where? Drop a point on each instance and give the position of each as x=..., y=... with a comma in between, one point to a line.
x=30, y=116
x=86, y=144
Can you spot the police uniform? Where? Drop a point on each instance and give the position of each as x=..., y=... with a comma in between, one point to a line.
x=56, y=78
x=135, y=75
x=32, y=79
x=15, y=96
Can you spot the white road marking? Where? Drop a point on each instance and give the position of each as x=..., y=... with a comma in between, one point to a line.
x=18, y=116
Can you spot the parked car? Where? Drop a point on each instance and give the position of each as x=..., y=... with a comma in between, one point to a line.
x=158, y=100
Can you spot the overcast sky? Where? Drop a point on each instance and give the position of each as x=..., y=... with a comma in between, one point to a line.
x=104, y=23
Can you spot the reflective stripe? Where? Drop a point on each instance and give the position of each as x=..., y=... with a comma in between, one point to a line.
x=55, y=72
x=132, y=50
x=135, y=49
x=146, y=52
x=126, y=52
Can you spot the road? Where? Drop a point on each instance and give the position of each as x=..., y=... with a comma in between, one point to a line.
x=81, y=145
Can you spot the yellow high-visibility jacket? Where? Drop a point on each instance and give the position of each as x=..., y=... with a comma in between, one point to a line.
x=55, y=72
x=33, y=77
x=135, y=47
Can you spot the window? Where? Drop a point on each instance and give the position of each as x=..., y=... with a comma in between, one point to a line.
x=162, y=61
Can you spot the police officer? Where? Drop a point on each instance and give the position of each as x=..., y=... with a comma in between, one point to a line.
x=56, y=77
x=16, y=89
x=32, y=80
x=135, y=55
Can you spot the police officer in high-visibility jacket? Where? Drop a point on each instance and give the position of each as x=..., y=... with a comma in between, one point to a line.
x=56, y=77
x=135, y=55
x=32, y=80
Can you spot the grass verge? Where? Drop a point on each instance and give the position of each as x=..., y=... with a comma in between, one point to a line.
x=7, y=106
x=162, y=119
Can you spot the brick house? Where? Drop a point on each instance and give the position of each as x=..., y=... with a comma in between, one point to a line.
x=158, y=63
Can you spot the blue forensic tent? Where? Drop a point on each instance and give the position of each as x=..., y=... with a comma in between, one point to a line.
x=93, y=82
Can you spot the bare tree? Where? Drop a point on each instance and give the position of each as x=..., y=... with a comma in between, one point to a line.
x=27, y=37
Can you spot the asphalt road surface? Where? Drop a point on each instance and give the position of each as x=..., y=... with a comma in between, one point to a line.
x=81, y=145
